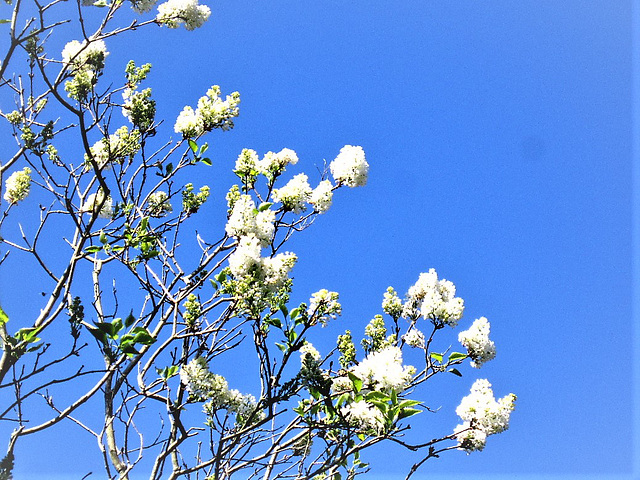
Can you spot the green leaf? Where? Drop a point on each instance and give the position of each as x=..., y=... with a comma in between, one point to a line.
x=342, y=399
x=357, y=382
x=408, y=412
x=204, y=147
x=103, y=238
x=455, y=371
x=206, y=161
x=457, y=356
x=274, y=321
x=282, y=347
x=5, y=20
x=394, y=397
x=168, y=169
x=128, y=348
x=106, y=328
x=264, y=206
x=167, y=372
x=409, y=403
x=193, y=145
x=117, y=325
x=221, y=277
x=294, y=313
x=377, y=396
x=130, y=320
x=284, y=310
x=4, y=318
x=436, y=356
x=98, y=334
x=93, y=249
x=144, y=338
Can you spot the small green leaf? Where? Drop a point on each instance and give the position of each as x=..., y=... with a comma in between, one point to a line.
x=103, y=238
x=408, y=412
x=4, y=318
x=204, y=147
x=455, y=371
x=129, y=349
x=264, y=206
x=284, y=310
x=377, y=396
x=130, y=320
x=282, y=347
x=98, y=334
x=206, y=161
x=93, y=249
x=5, y=20
x=144, y=338
x=193, y=145
x=457, y=356
x=436, y=356
x=117, y=325
x=357, y=382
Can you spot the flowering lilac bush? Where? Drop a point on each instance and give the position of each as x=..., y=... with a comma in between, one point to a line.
x=122, y=213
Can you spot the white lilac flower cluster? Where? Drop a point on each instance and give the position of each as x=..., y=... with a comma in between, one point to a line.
x=272, y=271
x=116, y=148
x=433, y=299
x=94, y=200
x=323, y=306
x=143, y=6
x=476, y=341
x=295, y=194
x=322, y=196
x=482, y=416
x=174, y=13
x=350, y=167
x=85, y=62
x=246, y=221
x=204, y=385
x=16, y=187
x=391, y=303
x=158, y=204
x=383, y=370
x=309, y=349
x=414, y=338
x=364, y=416
x=211, y=112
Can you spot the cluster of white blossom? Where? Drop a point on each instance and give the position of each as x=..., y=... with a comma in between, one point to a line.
x=16, y=187
x=159, y=204
x=309, y=349
x=271, y=271
x=482, y=416
x=323, y=305
x=94, y=200
x=476, y=340
x=246, y=220
x=350, y=167
x=211, y=112
x=322, y=196
x=204, y=385
x=391, y=303
x=143, y=6
x=295, y=194
x=173, y=13
x=364, y=416
x=114, y=149
x=383, y=370
x=273, y=164
x=83, y=55
x=434, y=299
x=414, y=338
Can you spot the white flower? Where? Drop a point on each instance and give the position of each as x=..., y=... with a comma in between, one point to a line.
x=295, y=194
x=82, y=55
x=245, y=220
x=247, y=163
x=324, y=305
x=188, y=123
x=142, y=6
x=309, y=349
x=94, y=200
x=218, y=113
x=364, y=415
x=16, y=187
x=159, y=204
x=120, y=145
x=476, y=340
x=414, y=338
x=275, y=270
x=434, y=299
x=391, y=303
x=322, y=196
x=246, y=255
x=350, y=167
x=173, y=13
x=383, y=370
x=483, y=414
x=273, y=164
x=200, y=382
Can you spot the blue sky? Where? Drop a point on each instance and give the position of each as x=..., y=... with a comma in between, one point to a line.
x=499, y=135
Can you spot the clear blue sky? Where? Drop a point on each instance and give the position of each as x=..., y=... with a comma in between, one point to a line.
x=499, y=135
